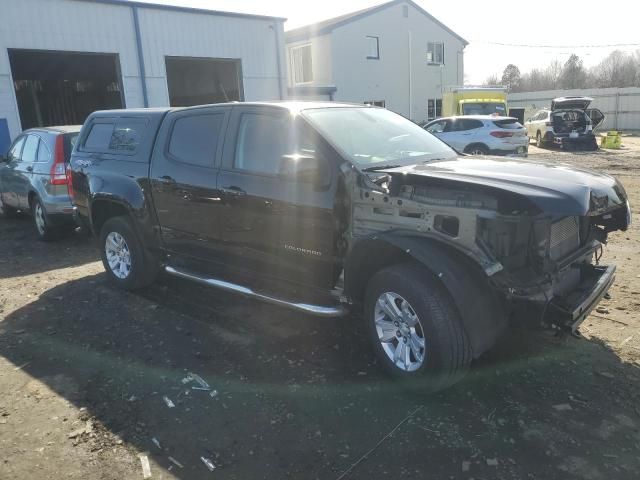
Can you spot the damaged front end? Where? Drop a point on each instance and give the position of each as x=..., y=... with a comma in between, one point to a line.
x=536, y=230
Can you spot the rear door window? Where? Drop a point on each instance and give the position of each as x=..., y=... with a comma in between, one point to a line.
x=194, y=138
x=437, y=127
x=30, y=150
x=44, y=155
x=16, y=150
x=465, y=124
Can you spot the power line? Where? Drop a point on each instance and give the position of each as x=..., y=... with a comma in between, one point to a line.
x=523, y=45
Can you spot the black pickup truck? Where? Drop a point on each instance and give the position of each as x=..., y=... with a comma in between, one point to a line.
x=328, y=208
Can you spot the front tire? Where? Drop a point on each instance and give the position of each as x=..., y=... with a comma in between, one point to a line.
x=415, y=328
x=128, y=265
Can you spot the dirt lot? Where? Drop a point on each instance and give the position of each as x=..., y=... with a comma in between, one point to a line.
x=85, y=369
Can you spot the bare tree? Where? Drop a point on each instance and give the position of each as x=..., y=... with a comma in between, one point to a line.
x=492, y=80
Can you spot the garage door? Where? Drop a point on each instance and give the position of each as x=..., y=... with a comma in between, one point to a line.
x=63, y=88
x=200, y=81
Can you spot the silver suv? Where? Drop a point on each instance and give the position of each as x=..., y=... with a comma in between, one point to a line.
x=569, y=124
x=33, y=178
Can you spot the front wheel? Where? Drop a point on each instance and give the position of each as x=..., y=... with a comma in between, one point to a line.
x=7, y=211
x=415, y=328
x=127, y=263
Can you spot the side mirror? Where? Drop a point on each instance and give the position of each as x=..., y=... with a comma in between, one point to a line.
x=300, y=167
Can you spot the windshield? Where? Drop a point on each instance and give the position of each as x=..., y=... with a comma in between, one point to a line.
x=372, y=137
x=486, y=108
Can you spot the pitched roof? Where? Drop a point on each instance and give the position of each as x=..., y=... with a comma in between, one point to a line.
x=326, y=26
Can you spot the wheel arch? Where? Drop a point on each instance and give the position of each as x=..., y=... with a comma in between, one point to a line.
x=103, y=208
x=480, y=309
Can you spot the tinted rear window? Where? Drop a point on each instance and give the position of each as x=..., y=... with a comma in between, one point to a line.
x=508, y=124
x=194, y=138
x=121, y=136
x=99, y=137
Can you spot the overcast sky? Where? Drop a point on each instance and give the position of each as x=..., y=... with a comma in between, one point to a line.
x=559, y=23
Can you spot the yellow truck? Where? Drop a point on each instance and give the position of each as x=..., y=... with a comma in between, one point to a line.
x=474, y=101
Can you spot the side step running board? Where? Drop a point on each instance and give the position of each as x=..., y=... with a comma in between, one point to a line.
x=317, y=310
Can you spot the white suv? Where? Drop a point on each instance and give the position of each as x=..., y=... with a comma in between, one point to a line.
x=482, y=134
x=569, y=124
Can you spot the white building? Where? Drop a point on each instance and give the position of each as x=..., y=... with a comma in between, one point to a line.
x=62, y=59
x=395, y=54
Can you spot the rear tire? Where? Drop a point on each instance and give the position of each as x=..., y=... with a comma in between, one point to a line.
x=44, y=230
x=477, y=149
x=539, y=141
x=435, y=352
x=128, y=265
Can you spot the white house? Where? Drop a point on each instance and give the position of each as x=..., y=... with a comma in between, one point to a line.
x=62, y=59
x=395, y=55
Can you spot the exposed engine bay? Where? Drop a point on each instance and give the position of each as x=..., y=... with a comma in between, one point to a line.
x=532, y=249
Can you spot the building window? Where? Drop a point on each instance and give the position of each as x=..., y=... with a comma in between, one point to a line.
x=376, y=103
x=434, y=108
x=435, y=53
x=373, y=48
x=301, y=64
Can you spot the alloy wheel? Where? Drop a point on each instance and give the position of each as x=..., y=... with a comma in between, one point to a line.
x=118, y=255
x=400, y=332
x=41, y=223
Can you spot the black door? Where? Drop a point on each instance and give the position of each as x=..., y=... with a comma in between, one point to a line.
x=273, y=225
x=183, y=181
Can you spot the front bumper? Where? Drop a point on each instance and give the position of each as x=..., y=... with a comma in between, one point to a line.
x=571, y=310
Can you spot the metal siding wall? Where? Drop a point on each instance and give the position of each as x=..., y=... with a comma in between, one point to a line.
x=66, y=25
x=71, y=25
x=624, y=101
x=192, y=35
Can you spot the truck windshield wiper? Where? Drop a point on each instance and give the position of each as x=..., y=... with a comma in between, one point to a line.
x=379, y=167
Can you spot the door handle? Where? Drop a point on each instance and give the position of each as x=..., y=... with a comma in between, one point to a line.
x=167, y=180
x=234, y=191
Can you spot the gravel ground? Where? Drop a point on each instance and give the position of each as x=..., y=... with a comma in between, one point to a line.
x=88, y=374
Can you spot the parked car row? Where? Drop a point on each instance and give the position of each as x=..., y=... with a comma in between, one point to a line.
x=326, y=208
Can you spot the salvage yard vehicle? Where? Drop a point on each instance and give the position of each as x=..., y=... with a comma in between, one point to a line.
x=570, y=124
x=327, y=207
x=482, y=135
x=33, y=178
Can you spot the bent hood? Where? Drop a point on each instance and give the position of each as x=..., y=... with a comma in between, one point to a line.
x=556, y=188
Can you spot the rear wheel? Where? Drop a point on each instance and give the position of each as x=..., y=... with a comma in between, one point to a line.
x=415, y=328
x=45, y=231
x=477, y=149
x=539, y=142
x=127, y=263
